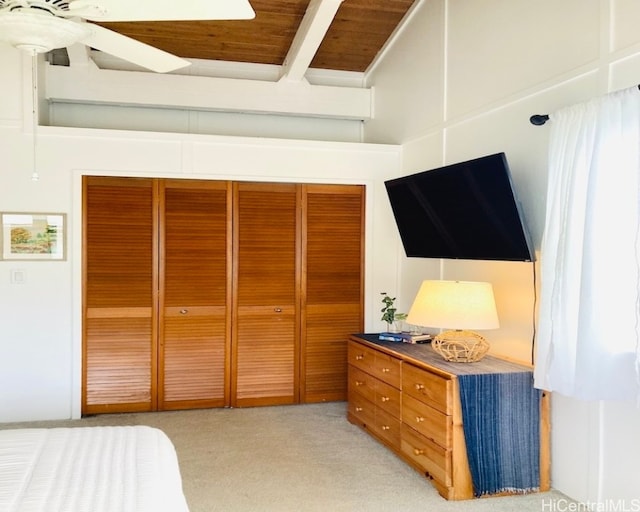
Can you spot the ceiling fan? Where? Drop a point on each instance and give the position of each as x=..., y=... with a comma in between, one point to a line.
x=39, y=26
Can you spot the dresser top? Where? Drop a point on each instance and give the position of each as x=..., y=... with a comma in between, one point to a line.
x=424, y=353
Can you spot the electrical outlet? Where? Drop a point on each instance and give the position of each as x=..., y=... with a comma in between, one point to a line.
x=18, y=276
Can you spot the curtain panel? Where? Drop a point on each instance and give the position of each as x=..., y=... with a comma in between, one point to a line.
x=589, y=327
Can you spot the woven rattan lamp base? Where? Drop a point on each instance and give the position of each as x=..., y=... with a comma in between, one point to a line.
x=460, y=346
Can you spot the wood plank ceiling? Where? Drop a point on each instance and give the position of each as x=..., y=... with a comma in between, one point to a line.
x=356, y=35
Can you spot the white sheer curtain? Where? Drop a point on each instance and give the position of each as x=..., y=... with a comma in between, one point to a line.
x=589, y=319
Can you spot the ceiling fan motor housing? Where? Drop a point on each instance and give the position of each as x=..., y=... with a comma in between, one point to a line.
x=39, y=33
x=55, y=7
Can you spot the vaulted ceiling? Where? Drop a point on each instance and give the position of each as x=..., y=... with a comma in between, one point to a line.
x=289, y=36
x=355, y=33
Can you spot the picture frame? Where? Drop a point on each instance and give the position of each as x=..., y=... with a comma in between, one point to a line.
x=33, y=236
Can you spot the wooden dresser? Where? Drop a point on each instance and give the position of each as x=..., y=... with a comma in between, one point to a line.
x=407, y=397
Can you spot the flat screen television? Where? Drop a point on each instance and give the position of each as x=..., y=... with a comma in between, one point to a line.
x=466, y=210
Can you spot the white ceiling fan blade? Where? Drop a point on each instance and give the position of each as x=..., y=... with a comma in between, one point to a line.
x=164, y=10
x=132, y=51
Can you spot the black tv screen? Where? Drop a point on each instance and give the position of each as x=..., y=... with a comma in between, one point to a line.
x=466, y=210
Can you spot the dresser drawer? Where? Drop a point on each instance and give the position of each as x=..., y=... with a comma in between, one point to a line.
x=388, y=427
x=363, y=410
x=428, y=387
x=428, y=421
x=432, y=459
x=360, y=356
x=388, y=399
x=362, y=383
x=387, y=368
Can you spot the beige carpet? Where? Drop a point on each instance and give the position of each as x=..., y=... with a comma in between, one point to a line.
x=305, y=458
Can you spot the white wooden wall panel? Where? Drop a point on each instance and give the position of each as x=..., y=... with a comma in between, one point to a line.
x=11, y=90
x=624, y=33
x=406, y=105
x=499, y=48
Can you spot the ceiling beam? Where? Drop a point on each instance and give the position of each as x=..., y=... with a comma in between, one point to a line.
x=314, y=26
x=89, y=84
x=80, y=55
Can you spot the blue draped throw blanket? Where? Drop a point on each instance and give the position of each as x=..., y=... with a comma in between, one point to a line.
x=501, y=420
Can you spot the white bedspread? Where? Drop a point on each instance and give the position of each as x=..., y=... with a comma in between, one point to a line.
x=89, y=469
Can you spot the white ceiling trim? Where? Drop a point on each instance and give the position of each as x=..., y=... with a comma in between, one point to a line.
x=314, y=26
x=80, y=55
x=88, y=84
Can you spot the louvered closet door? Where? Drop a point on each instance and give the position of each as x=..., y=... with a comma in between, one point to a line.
x=266, y=286
x=333, y=250
x=195, y=282
x=119, y=282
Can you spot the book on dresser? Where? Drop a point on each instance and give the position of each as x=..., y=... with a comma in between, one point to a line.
x=405, y=337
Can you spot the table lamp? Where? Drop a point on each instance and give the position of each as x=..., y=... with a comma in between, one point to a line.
x=459, y=306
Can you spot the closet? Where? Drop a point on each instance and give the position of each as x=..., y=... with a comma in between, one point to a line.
x=205, y=293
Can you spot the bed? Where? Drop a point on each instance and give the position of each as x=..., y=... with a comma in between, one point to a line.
x=89, y=469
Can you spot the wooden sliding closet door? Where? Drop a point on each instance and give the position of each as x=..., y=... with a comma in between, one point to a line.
x=119, y=351
x=332, y=256
x=266, y=294
x=195, y=284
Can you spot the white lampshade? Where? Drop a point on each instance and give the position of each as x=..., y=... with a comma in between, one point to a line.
x=454, y=305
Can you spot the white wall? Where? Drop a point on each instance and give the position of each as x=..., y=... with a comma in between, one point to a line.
x=462, y=82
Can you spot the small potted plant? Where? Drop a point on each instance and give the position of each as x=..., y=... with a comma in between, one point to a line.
x=390, y=314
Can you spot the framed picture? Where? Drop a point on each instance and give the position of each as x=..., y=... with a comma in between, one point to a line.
x=33, y=236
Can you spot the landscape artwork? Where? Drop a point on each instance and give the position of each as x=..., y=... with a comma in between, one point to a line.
x=33, y=236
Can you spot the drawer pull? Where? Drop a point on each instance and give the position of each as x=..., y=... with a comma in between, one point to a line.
x=385, y=398
x=359, y=357
x=419, y=387
x=184, y=311
x=418, y=451
x=386, y=427
x=386, y=370
x=419, y=419
x=359, y=383
x=358, y=409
